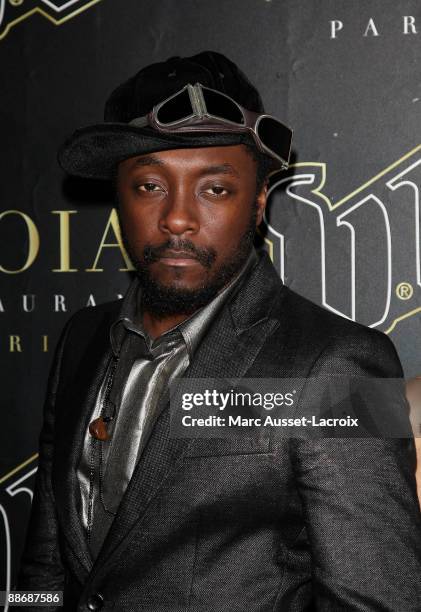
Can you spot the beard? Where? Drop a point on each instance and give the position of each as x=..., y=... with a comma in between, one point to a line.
x=162, y=300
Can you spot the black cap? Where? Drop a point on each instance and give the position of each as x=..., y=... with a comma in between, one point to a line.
x=94, y=151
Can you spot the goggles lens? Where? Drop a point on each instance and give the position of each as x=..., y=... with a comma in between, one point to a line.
x=176, y=108
x=220, y=106
x=275, y=136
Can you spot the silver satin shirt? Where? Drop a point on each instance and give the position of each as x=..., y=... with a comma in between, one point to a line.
x=145, y=369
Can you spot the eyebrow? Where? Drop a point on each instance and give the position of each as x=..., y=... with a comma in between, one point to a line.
x=152, y=160
x=219, y=169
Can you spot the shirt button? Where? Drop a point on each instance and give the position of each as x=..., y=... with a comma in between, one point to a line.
x=95, y=602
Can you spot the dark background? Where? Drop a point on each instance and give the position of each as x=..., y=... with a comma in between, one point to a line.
x=354, y=102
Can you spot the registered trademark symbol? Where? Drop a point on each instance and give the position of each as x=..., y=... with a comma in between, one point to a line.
x=404, y=291
x=16, y=2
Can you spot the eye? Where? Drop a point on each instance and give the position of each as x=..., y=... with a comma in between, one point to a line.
x=148, y=187
x=216, y=190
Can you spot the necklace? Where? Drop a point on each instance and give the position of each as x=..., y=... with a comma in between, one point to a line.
x=99, y=433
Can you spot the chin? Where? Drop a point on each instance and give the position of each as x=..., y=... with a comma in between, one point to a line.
x=178, y=277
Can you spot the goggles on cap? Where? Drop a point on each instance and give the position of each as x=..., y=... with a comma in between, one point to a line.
x=200, y=108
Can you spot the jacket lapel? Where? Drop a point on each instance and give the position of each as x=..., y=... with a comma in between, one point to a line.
x=228, y=351
x=78, y=401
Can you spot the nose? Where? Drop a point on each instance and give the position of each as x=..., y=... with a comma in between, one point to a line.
x=179, y=214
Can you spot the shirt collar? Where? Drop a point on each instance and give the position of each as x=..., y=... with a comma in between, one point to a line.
x=191, y=329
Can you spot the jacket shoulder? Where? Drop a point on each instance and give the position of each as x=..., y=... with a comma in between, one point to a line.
x=111, y=307
x=329, y=332
x=95, y=315
x=312, y=315
x=90, y=325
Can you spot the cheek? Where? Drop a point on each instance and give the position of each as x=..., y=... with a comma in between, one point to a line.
x=224, y=229
x=136, y=223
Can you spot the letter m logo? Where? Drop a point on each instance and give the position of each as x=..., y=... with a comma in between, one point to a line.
x=358, y=257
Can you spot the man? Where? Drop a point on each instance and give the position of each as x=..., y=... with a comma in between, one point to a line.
x=127, y=515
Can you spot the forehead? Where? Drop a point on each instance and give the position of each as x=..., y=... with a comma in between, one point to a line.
x=232, y=159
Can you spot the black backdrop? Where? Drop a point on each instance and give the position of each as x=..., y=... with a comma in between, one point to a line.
x=343, y=225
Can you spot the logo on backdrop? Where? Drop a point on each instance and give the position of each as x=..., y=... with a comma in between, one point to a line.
x=57, y=12
x=359, y=257
x=16, y=493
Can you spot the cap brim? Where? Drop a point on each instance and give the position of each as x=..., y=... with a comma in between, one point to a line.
x=94, y=151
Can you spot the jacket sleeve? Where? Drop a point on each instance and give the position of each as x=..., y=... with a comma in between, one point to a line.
x=41, y=565
x=359, y=496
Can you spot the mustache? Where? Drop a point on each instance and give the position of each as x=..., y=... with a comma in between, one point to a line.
x=205, y=256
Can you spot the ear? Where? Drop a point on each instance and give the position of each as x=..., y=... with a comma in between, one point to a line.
x=261, y=201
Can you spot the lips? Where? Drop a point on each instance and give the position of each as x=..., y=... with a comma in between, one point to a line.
x=177, y=258
x=177, y=255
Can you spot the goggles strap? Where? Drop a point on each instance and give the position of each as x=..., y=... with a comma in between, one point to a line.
x=197, y=100
x=140, y=121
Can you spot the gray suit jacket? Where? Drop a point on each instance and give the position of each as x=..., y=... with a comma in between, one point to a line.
x=232, y=525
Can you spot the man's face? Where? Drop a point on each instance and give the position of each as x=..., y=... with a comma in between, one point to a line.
x=188, y=218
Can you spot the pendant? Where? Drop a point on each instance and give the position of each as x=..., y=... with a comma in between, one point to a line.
x=98, y=429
